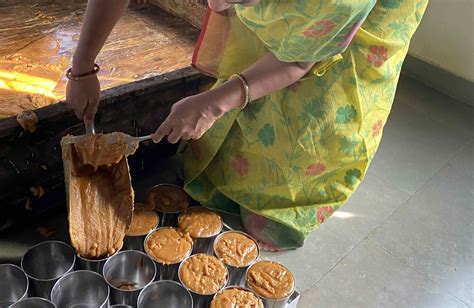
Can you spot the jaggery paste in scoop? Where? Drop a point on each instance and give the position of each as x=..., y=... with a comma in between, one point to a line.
x=203, y=274
x=100, y=194
x=143, y=221
x=236, y=249
x=168, y=245
x=200, y=222
x=236, y=297
x=270, y=280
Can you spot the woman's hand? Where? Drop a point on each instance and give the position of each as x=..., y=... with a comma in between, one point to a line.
x=192, y=116
x=83, y=97
x=189, y=118
x=99, y=20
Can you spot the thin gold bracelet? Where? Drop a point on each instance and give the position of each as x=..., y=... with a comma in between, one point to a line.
x=246, y=89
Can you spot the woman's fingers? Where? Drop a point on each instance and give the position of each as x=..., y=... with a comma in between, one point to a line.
x=80, y=105
x=162, y=131
x=174, y=136
x=186, y=136
x=90, y=110
x=78, y=111
x=83, y=97
x=189, y=119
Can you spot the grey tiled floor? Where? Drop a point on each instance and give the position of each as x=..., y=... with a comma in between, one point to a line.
x=406, y=237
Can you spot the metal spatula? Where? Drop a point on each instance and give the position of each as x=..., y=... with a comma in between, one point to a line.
x=128, y=139
x=90, y=129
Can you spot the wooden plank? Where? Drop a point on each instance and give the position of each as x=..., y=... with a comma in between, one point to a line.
x=193, y=11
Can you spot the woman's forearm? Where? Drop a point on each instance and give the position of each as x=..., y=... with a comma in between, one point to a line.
x=219, y=5
x=99, y=20
x=265, y=76
x=269, y=74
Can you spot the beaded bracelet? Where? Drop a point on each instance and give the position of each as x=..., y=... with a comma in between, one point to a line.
x=82, y=76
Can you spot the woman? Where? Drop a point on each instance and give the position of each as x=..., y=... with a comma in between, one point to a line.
x=286, y=141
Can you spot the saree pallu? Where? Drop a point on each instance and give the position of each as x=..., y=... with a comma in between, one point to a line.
x=292, y=158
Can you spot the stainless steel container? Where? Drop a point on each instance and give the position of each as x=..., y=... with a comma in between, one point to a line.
x=91, y=264
x=121, y=306
x=80, y=289
x=45, y=263
x=13, y=285
x=167, y=219
x=165, y=271
x=131, y=242
x=34, y=302
x=166, y=294
x=135, y=242
x=206, y=244
x=235, y=287
x=127, y=273
x=267, y=302
x=199, y=300
x=237, y=274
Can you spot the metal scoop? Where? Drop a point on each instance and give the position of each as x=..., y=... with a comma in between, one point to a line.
x=90, y=129
x=128, y=139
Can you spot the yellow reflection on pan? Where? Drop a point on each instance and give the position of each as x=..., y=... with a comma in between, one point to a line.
x=19, y=82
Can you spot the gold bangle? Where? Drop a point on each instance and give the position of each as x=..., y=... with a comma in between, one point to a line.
x=78, y=77
x=246, y=89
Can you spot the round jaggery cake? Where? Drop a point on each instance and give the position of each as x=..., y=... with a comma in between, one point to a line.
x=236, y=249
x=203, y=274
x=200, y=222
x=143, y=221
x=270, y=280
x=168, y=245
x=167, y=198
x=236, y=297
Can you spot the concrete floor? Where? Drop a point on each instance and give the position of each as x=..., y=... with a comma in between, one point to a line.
x=405, y=238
